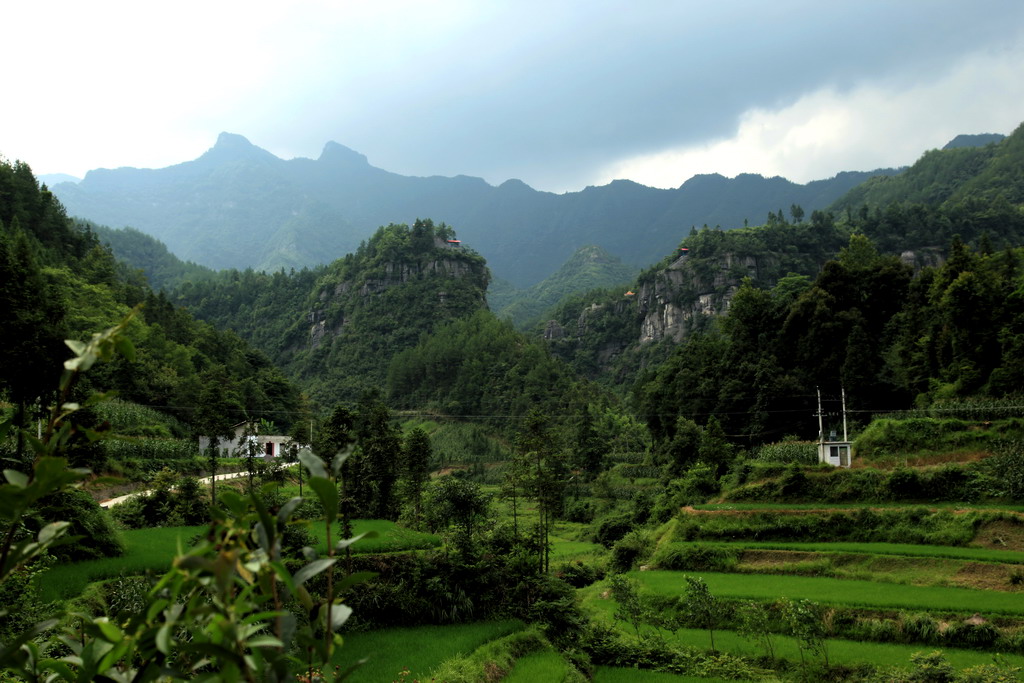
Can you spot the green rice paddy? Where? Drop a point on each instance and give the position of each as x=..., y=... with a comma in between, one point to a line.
x=546, y=665
x=390, y=537
x=618, y=674
x=903, y=549
x=148, y=550
x=153, y=550
x=828, y=591
x=840, y=651
x=421, y=649
x=829, y=507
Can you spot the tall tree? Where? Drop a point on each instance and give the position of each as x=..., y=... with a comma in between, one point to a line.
x=538, y=443
x=378, y=452
x=214, y=407
x=31, y=316
x=416, y=455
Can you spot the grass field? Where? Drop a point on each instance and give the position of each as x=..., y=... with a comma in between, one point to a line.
x=152, y=550
x=420, y=648
x=773, y=507
x=617, y=674
x=147, y=550
x=562, y=549
x=901, y=549
x=546, y=665
x=840, y=651
x=390, y=537
x=846, y=592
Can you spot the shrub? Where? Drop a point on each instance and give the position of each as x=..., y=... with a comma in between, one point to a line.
x=579, y=511
x=904, y=484
x=696, y=557
x=611, y=529
x=632, y=548
x=579, y=574
x=176, y=501
x=794, y=484
x=951, y=482
x=88, y=520
x=977, y=636
x=1006, y=469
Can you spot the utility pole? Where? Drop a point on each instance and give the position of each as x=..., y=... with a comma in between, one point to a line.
x=821, y=426
x=844, y=414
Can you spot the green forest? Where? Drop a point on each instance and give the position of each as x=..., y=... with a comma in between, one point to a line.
x=614, y=475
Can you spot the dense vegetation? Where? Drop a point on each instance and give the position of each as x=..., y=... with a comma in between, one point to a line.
x=60, y=283
x=589, y=268
x=563, y=521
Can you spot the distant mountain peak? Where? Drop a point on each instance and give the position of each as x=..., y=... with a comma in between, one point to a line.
x=232, y=141
x=234, y=147
x=338, y=153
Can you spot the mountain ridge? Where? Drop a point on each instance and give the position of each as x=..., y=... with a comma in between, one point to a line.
x=302, y=212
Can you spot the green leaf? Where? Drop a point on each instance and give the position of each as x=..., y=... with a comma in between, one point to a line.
x=125, y=347
x=264, y=641
x=339, y=615
x=155, y=608
x=109, y=630
x=285, y=513
x=164, y=638
x=77, y=347
x=283, y=575
x=346, y=542
x=328, y=495
x=312, y=569
x=51, y=532
x=16, y=478
x=339, y=460
x=312, y=463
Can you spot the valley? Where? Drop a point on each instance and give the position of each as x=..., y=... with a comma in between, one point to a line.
x=613, y=474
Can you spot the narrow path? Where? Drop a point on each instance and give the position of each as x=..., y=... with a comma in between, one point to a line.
x=110, y=502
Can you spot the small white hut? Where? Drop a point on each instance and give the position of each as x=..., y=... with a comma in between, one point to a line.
x=833, y=451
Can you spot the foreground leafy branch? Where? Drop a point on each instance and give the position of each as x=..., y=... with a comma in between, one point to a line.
x=229, y=609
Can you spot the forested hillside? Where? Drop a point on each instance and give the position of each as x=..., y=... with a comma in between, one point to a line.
x=238, y=206
x=589, y=268
x=948, y=178
x=920, y=305
x=335, y=329
x=163, y=270
x=59, y=283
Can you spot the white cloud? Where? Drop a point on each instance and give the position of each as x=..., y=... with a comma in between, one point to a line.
x=874, y=125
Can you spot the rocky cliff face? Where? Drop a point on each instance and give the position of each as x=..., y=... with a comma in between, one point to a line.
x=667, y=305
x=673, y=297
x=336, y=302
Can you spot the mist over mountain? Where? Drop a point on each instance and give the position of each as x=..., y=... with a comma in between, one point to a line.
x=240, y=206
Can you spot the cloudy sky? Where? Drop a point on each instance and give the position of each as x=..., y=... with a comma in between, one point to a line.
x=558, y=94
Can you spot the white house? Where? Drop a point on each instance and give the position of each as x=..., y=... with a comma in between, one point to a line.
x=268, y=445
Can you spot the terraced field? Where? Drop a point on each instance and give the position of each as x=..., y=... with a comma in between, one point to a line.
x=878, y=602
